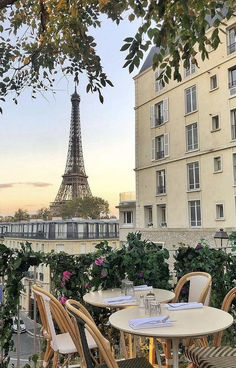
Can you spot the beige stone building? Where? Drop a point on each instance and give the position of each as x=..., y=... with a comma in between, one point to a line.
x=186, y=150
x=76, y=236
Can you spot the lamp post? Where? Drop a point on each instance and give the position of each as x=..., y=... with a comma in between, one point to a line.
x=221, y=238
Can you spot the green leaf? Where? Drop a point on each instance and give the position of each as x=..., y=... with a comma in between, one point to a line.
x=125, y=47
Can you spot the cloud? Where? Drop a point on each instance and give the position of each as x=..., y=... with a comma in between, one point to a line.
x=34, y=184
x=8, y=185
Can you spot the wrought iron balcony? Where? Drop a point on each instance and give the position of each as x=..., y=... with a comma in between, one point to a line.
x=231, y=48
x=159, y=154
x=159, y=120
x=161, y=189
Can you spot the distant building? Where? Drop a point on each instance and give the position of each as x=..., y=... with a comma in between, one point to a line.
x=76, y=236
x=186, y=150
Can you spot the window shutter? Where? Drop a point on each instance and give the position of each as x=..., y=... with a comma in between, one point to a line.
x=156, y=82
x=166, y=144
x=153, y=149
x=152, y=116
x=165, y=110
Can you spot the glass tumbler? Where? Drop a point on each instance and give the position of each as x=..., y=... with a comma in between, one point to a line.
x=129, y=288
x=147, y=300
x=154, y=308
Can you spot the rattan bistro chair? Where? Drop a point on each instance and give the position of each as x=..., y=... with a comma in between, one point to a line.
x=82, y=324
x=199, y=291
x=203, y=357
x=51, y=310
x=199, y=287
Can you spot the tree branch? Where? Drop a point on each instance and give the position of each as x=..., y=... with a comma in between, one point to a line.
x=5, y=3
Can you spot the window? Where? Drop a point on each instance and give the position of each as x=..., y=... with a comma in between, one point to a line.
x=193, y=176
x=161, y=215
x=148, y=216
x=190, y=70
x=213, y=82
x=158, y=83
x=234, y=167
x=159, y=113
x=191, y=137
x=233, y=123
x=231, y=40
x=160, y=146
x=215, y=122
x=232, y=77
x=219, y=211
x=195, y=213
x=217, y=164
x=161, y=182
x=128, y=217
x=190, y=99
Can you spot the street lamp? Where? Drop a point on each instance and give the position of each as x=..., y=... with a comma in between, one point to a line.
x=221, y=238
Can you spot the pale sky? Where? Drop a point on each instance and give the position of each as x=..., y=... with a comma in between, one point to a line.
x=35, y=135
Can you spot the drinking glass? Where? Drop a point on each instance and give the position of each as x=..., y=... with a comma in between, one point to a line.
x=129, y=288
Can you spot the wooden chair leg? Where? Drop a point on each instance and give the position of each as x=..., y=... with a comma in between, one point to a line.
x=47, y=355
x=167, y=351
x=55, y=359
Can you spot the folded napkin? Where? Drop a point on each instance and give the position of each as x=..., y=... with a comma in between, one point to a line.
x=120, y=299
x=150, y=322
x=142, y=287
x=178, y=306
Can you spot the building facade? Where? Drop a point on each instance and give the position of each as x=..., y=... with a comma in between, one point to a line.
x=76, y=236
x=186, y=149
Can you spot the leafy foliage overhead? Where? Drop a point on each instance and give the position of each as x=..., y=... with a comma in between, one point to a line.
x=42, y=38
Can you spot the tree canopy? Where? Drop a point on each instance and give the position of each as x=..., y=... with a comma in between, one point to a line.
x=87, y=207
x=40, y=38
x=20, y=215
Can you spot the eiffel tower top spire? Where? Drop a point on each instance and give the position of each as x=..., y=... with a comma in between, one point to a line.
x=74, y=181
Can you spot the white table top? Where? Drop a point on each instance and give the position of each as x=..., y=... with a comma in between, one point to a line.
x=187, y=323
x=96, y=298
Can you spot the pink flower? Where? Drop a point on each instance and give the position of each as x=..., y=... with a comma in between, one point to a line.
x=99, y=261
x=102, y=276
x=66, y=276
x=87, y=285
x=62, y=300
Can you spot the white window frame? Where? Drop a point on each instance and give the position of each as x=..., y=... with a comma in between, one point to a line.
x=193, y=146
x=217, y=159
x=126, y=217
x=212, y=88
x=164, y=142
x=197, y=204
x=161, y=181
x=234, y=167
x=190, y=91
x=164, y=113
x=220, y=206
x=163, y=222
x=213, y=125
x=194, y=166
x=231, y=46
x=148, y=216
x=191, y=70
x=233, y=123
x=157, y=83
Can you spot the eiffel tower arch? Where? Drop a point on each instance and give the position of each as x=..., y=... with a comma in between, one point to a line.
x=74, y=181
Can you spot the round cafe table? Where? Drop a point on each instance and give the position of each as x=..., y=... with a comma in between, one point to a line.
x=97, y=298
x=186, y=323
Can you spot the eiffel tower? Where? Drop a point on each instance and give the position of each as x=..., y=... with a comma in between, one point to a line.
x=74, y=181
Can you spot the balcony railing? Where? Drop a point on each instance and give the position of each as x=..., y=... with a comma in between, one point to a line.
x=231, y=48
x=161, y=189
x=159, y=120
x=63, y=235
x=159, y=154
